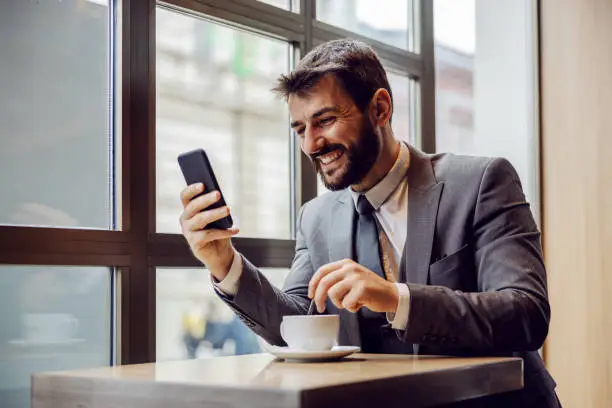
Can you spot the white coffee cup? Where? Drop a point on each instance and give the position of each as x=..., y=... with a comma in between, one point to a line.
x=310, y=332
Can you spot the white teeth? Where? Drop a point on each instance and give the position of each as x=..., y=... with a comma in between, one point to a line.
x=330, y=157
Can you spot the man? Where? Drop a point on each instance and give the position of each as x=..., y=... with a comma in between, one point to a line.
x=429, y=254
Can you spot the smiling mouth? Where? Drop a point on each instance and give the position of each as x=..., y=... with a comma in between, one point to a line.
x=330, y=157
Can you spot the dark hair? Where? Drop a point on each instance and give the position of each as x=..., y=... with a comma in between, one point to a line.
x=353, y=63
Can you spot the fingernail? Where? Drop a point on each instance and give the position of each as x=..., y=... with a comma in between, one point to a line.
x=218, y=195
x=198, y=186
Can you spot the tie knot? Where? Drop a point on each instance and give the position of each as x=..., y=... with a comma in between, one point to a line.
x=363, y=205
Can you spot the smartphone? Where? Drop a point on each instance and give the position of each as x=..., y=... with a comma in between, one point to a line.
x=196, y=168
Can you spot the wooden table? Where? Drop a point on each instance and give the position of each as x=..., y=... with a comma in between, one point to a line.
x=362, y=380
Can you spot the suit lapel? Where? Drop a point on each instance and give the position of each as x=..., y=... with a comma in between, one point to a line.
x=424, y=193
x=423, y=200
x=341, y=247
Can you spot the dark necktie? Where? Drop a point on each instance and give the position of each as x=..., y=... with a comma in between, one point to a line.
x=367, y=248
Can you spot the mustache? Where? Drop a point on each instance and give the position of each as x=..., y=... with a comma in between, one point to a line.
x=326, y=149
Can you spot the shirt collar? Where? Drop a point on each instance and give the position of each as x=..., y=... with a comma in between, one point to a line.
x=378, y=194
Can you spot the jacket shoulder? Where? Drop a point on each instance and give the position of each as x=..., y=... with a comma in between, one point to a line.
x=449, y=167
x=464, y=169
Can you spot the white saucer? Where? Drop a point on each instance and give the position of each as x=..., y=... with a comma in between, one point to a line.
x=336, y=353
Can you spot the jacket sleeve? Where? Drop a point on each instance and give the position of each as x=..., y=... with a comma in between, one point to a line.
x=510, y=311
x=261, y=305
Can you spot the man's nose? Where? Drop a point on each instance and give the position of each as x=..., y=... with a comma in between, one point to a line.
x=312, y=141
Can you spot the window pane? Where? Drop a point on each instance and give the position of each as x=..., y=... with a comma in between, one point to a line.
x=192, y=322
x=400, y=85
x=52, y=318
x=485, y=99
x=54, y=159
x=213, y=85
x=386, y=22
x=284, y=4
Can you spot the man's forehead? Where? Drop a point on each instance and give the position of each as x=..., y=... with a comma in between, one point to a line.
x=326, y=92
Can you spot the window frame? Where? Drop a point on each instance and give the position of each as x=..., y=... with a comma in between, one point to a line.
x=137, y=248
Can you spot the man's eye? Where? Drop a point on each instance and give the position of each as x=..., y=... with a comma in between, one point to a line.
x=327, y=121
x=300, y=131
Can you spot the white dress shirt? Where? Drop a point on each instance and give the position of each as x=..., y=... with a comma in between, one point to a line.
x=390, y=201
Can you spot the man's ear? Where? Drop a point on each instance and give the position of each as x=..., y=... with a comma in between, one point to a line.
x=381, y=107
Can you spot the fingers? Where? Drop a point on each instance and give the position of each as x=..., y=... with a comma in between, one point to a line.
x=337, y=292
x=354, y=299
x=201, y=238
x=325, y=285
x=189, y=192
x=199, y=204
x=322, y=272
x=202, y=219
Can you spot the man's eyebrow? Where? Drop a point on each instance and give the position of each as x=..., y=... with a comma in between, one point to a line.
x=317, y=114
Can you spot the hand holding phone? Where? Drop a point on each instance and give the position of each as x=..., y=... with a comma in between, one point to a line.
x=206, y=221
x=196, y=168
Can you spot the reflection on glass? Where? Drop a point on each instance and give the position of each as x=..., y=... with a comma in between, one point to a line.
x=385, y=21
x=213, y=92
x=192, y=322
x=54, y=138
x=51, y=318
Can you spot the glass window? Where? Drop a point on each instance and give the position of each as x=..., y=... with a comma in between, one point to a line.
x=54, y=159
x=455, y=39
x=52, y=318
x=387, y=23
x=284, y=4
x=192, y=322
x=400, y=85
x=486, y=99
x=213, y=85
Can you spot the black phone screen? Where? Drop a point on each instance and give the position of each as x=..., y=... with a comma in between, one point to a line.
x=196, y=168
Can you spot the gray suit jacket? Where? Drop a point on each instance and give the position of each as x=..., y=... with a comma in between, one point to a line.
x=472, y=261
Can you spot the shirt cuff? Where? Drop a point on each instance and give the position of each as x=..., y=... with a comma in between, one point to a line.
x=229, y=285
x=399, y=319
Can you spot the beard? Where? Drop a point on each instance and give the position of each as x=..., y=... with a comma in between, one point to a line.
x=358, y=160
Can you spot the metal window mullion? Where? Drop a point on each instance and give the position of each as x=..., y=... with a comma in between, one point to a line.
x=170, y=250
x=63, y=246
x=251, y=15
x=138, y=178
x=428, y=79
x=308, y=8
x=307, y=174
x=294, y=166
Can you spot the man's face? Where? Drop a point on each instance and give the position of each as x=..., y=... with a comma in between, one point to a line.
x=339, y=139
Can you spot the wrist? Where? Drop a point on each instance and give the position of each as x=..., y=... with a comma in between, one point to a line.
x=221, y=267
